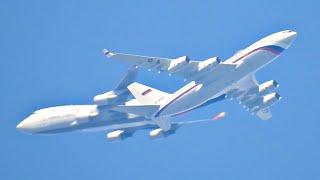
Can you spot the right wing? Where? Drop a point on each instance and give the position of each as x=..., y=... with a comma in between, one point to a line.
x=254, y=97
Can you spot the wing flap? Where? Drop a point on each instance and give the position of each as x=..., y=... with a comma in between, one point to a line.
x=264, y=114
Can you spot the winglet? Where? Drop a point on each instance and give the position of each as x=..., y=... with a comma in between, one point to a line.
x=108, y=53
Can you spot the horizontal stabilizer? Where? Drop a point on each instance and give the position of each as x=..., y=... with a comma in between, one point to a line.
x=141, y=110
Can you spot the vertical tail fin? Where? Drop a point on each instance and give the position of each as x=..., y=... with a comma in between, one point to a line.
x=147, y=95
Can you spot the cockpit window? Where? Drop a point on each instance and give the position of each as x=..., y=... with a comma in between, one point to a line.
x=287, y=31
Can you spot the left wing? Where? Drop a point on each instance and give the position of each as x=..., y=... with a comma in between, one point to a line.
x=146, y=61
x=181, y=66
x=254, y=97
x=120, y=94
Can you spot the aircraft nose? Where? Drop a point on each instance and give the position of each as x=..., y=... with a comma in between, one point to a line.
x=24, y=125
x=30, y=124
x=289, y=37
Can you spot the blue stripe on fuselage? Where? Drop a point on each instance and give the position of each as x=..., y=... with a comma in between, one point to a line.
x=276, y=50
x=211, y=101
x=279, y=49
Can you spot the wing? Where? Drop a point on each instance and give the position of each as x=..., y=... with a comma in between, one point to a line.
x=182, y=66
x=145, y=61
x=120, y=94
x=140, y=110
x=129, y=78
x=254, y=97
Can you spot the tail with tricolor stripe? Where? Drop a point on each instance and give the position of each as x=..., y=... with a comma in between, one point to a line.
x=147, y=95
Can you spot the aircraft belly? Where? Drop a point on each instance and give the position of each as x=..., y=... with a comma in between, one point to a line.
x=101, y=123
x=256, y=61
x=192, y=100
x=119, y=126
x=184, y=104
x=98, y=123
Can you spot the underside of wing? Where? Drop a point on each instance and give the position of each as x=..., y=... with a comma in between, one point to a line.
x=141, y=110
x=254, y=97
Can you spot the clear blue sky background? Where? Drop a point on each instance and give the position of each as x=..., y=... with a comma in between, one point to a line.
x=50, y=54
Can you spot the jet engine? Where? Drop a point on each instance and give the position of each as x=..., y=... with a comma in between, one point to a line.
x=262, y=89
x=270, y=99
x=267, y=101
x=118, y=135
x=208, y=64
x=268, y=86
x=159, y=133
x=178, y=64
x=106, y=98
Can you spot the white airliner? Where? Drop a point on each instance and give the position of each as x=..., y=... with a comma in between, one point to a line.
x=211, y=80
x=100, y=116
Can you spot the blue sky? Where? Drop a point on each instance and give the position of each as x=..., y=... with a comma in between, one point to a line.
x=51, y=55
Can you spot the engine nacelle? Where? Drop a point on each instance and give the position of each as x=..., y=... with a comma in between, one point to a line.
x=118, y=135
x=268, y=86
x=270, y=99
x=208, y=64
x=115, y=135
x=267, y=101
x=262, y=89
x=106, y=98
x=159, y=133
x=177, y=64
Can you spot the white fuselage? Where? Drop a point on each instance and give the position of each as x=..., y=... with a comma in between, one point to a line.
x=79, y=117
